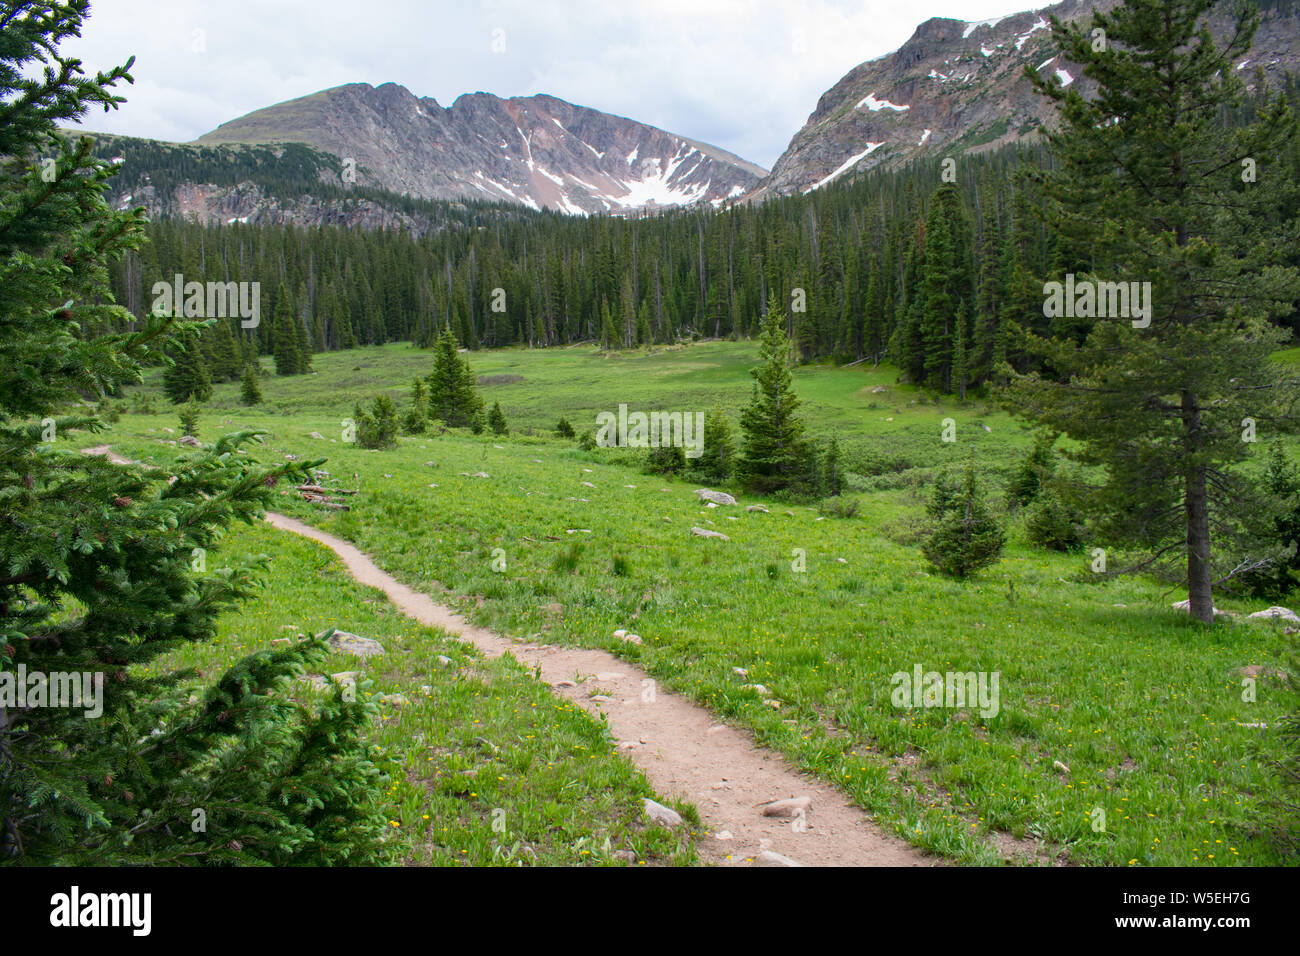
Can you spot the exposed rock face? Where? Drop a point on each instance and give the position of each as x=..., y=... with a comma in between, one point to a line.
x=538, y=151
x=958, y=87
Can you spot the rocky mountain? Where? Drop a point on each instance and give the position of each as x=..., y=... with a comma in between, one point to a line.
x=538, y=151
x=957, y=87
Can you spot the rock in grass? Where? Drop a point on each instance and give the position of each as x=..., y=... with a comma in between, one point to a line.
x=756, y=688
x=1187, y=606
x=759, y=508
x=706, y=533
x=190, y=441
x=793, y=807
x=717, y=497
x=772, y=858
x=1056, y=764
x=664, y=816
x=1277, y=614
x=393, y=700
x=316, y=435
x=355, y=644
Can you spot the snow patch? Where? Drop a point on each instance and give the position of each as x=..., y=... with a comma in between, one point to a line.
x=1065, y=77
x=986, y=51
x=924, y=137
x=971, y=27
x=875, y=105
x=1040, y=25
x=845, y=166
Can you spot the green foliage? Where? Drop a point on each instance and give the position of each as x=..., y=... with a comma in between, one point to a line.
x=453, y=391
x=187, y=376
x=250, y=389
x=717, y=461
x=1281, y=575
x=190, y=418
x=837, y=507
x=964, y=535
x=497, y=420
x=774, y=455
x=106, y=566
x=666, y=460
x=563, y=429
x=1036, y=468
x=378, y=427
x=1052, y=524
x=1155, y=401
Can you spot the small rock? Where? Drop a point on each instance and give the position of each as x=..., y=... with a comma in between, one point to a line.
x=758, y=508
x=444, y=660
x=190, y=441
x=395, y=700
x=723, y=835
x=588, y=484
x=316, y=435
x=564, y=683
x=793, y=807
x=1056, y=764
x=621, y=633
x=355, y=644
x=756, y=688
x=632, y=639
x=664, y=816
x=1187, y=606
x=602, y=698
x=626, y=855
x=772, y=858
x=609, y=675
x=706, y=533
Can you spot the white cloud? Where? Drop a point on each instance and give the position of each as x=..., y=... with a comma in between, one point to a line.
x=740, y=75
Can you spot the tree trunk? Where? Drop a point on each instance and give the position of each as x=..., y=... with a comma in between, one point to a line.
x=1196, y=505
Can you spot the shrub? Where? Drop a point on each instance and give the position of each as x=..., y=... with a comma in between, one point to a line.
x=838, y=507
x=666, y=460
x=563, y=429
x=379, y=428
x=1037, y=467
x=964, y=537
x=497, y=420
x=1052, y=524
x=250, y=392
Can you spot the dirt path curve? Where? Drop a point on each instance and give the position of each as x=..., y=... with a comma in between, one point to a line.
x=677, y=744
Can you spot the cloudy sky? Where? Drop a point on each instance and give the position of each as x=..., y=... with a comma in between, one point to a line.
x=740, y=74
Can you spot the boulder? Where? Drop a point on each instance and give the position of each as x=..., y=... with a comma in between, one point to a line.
x=1277, y=614
x=717, y=497
x=356, y=645
x=793, y=807
x=706, y=533
x=190, y=441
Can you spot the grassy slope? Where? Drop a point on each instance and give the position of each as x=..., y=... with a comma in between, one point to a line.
x=1144, y=707
x=477, y=741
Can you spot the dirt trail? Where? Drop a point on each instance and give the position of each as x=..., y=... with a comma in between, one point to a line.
x=678, y=745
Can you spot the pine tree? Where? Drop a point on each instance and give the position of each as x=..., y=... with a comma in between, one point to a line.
x=416, y=420
x=377, y=428
x=964, y=537
x=284, y=342
x=250, y=390
x=453, y=391
x=1152, y=180
x=497, y=420
x=187, y=375
x=773, y=454
x=190, y=418
x=99, y=559
x=717, y=460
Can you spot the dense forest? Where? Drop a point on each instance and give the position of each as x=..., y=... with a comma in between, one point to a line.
x=935, y=267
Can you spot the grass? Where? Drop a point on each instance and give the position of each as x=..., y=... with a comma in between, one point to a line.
x=1143, y=706
x=484, y=765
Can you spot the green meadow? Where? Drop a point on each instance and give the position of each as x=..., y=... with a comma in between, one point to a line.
x=1123, y=735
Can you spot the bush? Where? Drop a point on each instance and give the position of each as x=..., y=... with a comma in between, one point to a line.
x=497, y=420
x=1038, y=466
x=667, y=460
x=1281, y=482
x=250, y=392
x=1052, y=524
x=379, y=428
x=588, y=441
x=563, y=429
x=964, y=537
x=838, y=507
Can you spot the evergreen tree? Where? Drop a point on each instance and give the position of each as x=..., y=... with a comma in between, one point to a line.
x=99, y=574
x=187, y=375
x=453, y=391
x=563, y=429
x=377, y=428
x=497, y=420
x=717, y=461
x=1152, y=181
x=416, y=421
x=190, y=418
x=773, y=455
x=285, y=344
x=250, y=390
x=964, y=536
